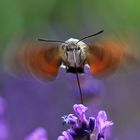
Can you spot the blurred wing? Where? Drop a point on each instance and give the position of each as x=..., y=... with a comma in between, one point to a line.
x=104, y=57
x=42, y=59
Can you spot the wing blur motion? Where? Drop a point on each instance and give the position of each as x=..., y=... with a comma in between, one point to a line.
x=106, y=56
x=42, y=59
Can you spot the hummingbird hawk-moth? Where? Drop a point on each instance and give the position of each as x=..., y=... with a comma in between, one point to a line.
x=43, y=58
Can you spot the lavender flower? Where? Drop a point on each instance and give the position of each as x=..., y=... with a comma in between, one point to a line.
x=38, y=134
x=82, y=128
x=102, y=123
x=4, y=128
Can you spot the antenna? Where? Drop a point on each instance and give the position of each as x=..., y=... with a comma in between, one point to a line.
x=47, y=40
x=91, y=35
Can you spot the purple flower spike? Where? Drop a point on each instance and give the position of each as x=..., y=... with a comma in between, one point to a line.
x=102, y=122
x=80, y=111
x=85, y=129
x=80, y=128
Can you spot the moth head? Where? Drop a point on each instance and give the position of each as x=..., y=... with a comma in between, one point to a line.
x=73, y=44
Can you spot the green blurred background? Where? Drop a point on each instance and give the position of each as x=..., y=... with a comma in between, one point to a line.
x=67, y=17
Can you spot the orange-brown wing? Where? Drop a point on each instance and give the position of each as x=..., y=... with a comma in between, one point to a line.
x=39, y=58
x=104, y=57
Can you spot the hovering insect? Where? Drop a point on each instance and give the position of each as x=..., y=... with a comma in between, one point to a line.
x=43, y=58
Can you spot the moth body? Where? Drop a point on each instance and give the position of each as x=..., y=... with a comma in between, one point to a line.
x=74, y=55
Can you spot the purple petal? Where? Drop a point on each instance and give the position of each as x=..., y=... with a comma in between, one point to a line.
x=66, y=136
x=70, y=120
x=102, y=122
x=102, y=115
x=80, y=111
x=61, y=138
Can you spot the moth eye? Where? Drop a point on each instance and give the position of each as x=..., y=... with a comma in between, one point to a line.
x=69, y=49
x=78, y=48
